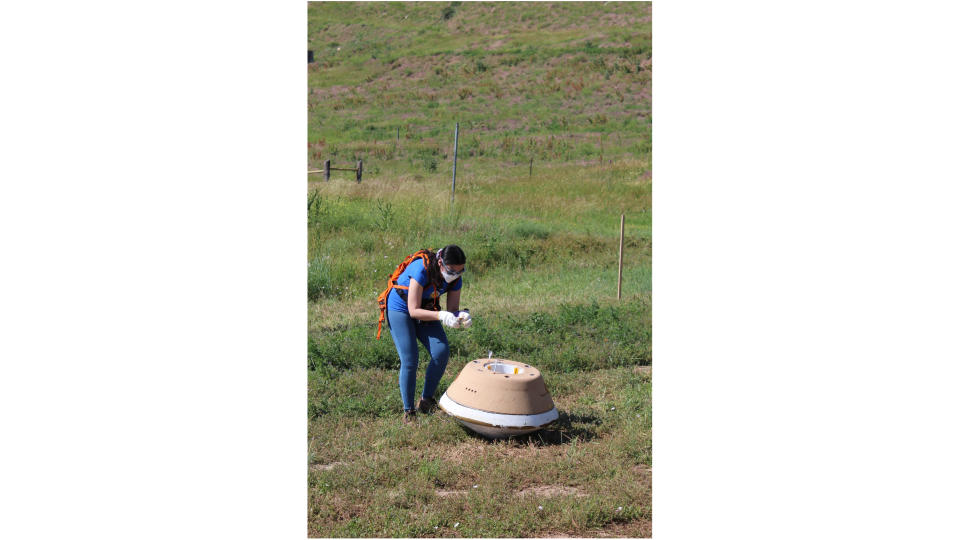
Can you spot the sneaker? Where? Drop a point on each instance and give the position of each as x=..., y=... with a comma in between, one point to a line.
x=427, y=405
x=409, y=417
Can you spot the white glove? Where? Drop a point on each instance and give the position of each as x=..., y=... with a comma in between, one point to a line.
x=449, y=319
x=465, y=320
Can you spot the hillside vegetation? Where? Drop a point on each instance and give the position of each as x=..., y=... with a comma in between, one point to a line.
x=553, y=104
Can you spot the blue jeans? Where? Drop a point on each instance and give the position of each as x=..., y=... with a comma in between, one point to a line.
x=406, y=331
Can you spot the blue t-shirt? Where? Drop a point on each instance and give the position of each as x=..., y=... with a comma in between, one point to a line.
x=416, y=270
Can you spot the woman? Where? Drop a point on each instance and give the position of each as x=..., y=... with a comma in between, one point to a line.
x=413, y=314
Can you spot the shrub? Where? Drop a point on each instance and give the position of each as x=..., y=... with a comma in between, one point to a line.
x=532, y=230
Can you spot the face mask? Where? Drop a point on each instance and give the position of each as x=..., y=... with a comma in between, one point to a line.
x=448, y=276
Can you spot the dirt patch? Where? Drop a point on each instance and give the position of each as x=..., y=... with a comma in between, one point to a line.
x=509, y=124
x=328, y=466
x=645, y=476
x=333, y=91
x=551, y=491
x=618, y=19
x=614, y=45
x=495, y=44
x=414, y=69
x=449, y=493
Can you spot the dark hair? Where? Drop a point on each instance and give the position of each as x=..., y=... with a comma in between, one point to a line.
x=433, y=271
x=452, y=254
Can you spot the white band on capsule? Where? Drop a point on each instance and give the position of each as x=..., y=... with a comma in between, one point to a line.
x=497, y=419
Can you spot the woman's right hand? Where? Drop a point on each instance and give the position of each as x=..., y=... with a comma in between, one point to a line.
x=449, y=319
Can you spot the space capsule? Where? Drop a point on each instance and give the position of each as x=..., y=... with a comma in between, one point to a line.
x=499, y=398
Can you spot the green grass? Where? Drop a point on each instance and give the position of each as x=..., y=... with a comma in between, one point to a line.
x=560, y=78
x=561, y=85
x=371, y=476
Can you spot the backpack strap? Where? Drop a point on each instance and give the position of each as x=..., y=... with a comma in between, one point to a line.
x=423, y=255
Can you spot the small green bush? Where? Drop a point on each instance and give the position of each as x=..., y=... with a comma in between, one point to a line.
x=532, y=230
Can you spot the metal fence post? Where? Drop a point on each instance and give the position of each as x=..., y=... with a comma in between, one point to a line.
x=456, y=141
x=326, y=170
x=620, y=259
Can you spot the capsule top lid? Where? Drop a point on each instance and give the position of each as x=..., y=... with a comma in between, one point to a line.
x=501, y=385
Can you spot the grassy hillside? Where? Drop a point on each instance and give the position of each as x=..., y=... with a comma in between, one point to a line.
x=547, y=81
x=565, y=85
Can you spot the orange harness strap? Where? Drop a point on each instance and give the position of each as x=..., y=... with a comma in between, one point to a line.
x=424, y=255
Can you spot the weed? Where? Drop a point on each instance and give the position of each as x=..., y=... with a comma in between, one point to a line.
x=532, y=230
x=318, y=278
x=449, y=11
x=385, y=215
x=314, y=209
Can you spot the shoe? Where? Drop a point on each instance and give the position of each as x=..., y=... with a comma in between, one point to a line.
x=427, y=405
x=409, y=417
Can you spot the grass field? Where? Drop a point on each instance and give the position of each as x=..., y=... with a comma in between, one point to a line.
x=566, y=85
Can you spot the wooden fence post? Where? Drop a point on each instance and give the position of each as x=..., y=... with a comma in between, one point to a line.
x=359, y=170
x=326, y=170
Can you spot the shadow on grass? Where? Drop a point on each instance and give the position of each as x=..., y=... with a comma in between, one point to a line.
x=562, y=431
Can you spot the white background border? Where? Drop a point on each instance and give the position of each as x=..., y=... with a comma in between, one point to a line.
x=805, y=270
